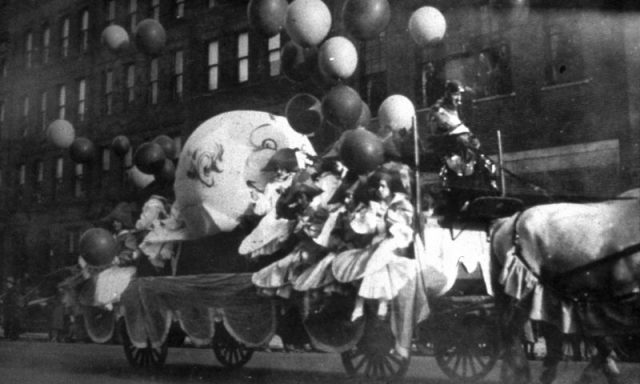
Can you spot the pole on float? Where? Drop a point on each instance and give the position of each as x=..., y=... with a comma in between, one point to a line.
x=503, y=184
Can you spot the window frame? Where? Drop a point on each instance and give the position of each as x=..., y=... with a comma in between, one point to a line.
x=46, y=44
x=274, y=55
x=84, y=30
x=242, y=58
x=28, y=49
x=108, y=91
x=65, y=36
x=62, y=101
x=82, y=99
x=213, y=65
x=154, y=72
x=178, y=75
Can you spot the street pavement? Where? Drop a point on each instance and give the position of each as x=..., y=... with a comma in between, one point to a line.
x=33, y=361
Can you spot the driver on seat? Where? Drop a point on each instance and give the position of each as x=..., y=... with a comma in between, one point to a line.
x=465, y=173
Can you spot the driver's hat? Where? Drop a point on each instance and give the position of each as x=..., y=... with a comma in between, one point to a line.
x=453, y=86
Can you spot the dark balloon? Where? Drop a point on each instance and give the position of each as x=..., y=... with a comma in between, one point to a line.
x=150, y=36
x=82, y=150
x=168, y=145
x=342, y=106
x=298, y=64
x=303, y=112
x=149, y=158
x=168, y=172
x=366, y=19
x=120, y=145
x=361, y=151
x=267, y=16
x=97, y=247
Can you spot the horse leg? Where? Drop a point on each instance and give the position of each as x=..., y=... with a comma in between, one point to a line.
x=604, y=360
x=515, y=366
x=553, y=339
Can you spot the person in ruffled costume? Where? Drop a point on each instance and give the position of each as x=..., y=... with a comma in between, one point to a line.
x=382, y=266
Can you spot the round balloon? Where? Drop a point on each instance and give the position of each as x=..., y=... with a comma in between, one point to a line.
x=341, y=106
x=396, y=112
x=267, y=16
x=115, y=38
x=150, y=36
x=138, y=178
x=149, y=158
x=427, y=25
x=366, y=19
x=120, y=145
x=298, y=63
x=365, y=116
x=82, y=150
x=168, y=146
x=308, y=21
x=338, y=58
x=361, y=151
x=61, y=133
x=168, y=172
x=220, y=167
x=304, y=113
x=97, y=247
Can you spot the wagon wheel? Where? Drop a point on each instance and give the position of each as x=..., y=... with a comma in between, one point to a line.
x=469, y=351
x=373, y=355
x=231, y=353
x=148, y=357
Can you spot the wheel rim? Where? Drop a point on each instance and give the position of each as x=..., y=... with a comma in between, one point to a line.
x=373, y=364
x=148, y=357
x=231, y=353
x=470, y=355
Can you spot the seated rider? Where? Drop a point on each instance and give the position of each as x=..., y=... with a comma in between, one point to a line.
x=466, y=173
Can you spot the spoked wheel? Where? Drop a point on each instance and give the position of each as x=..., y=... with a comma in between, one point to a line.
x=146, y=358
x=373, y=357
x=229, y=352
x=470, y=351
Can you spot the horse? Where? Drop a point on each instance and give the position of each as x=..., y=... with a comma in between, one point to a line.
x=576, y=267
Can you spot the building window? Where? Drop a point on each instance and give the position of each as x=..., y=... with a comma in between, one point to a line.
x=493, y=72
x=178, y=76
x=274, y=55
x=2, y=112
x=213, y=62
x=28, y=49
x=43, y=111
x=111, y=11
x=64, y=41
x=46, y=44
x=375, y=72
x=58, y=176
x=78, y=181
x=153, y=81
x=108, y=92
x=243, y=57
x=131, y=82
x=22, y=175
x=106, y=159
x=25, y=115
x=179, y=9
x=62, y=102
x=133, y=14
x=564, y=58
x=82, y=95
x=155, y=9
x=84, y=30
x=39, y=178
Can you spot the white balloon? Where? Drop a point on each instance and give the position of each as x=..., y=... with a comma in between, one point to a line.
x=61, y=133
x=427, y=25
x=338, y=57
x=308, y=21
x=396, y=112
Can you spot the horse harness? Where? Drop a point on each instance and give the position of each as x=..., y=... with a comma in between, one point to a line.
x=554, y=283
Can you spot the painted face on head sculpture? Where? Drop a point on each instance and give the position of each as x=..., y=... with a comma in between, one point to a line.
x=221, y=163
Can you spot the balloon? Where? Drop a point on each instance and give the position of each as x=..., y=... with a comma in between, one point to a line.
x=297, y=63
x=150, y=36
x=304, y=113
x=168, y=172
x=61, y=133
x=120, y=145
x=221, y=164
x=82, y=150
x=396, y=112
x=365, y=116
x=338, y=58
x=361, y=151
x=139, y=178
x=267, y=16
x=366, y=19
x=168, y=146
x=115, y=38
x=342, y=106
x=97, y=247
x=427, y=25
x=149, y=158
x=308, y=21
